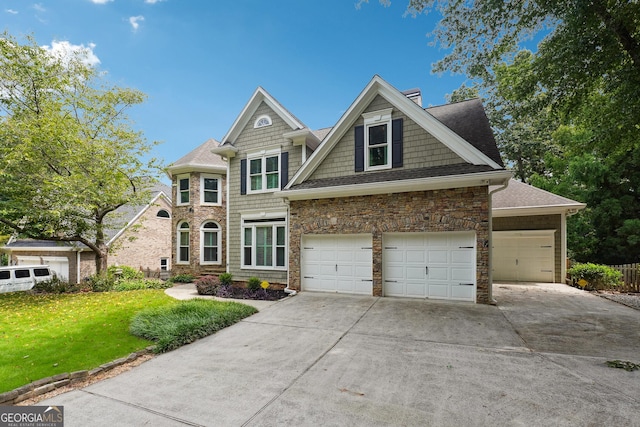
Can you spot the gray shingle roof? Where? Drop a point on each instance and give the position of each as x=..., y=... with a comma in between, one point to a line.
x=521, y=195
x=201, y=156
x=468, y=119
x=394, y=175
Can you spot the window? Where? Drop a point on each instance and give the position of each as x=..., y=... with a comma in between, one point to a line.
x=183, y=189
x=183, y=243
x=262, y=121
x=5, y=275
x=210, y=243
x=209, y=190
x=162, y=213
x=164, y=264
x=377, y=139
x=20, y=274
x=264, y=243
x=40, y=272
x=264, y=173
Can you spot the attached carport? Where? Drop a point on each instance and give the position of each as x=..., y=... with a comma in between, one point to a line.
x=529, y=239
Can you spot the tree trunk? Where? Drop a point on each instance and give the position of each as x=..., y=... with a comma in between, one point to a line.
x=101, y=259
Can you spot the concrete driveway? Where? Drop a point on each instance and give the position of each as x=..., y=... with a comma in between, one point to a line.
x=333, y=360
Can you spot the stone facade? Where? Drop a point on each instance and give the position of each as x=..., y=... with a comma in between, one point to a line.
x=461, y=209
x=196, y=214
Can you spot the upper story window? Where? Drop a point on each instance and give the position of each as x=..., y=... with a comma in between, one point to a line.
x=210, y=190
x=163, y=213
x=377, y=140
x=264, y=171
x=262, y=121
x=183, y=189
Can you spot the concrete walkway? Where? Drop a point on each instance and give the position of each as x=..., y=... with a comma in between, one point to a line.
x=335, y=360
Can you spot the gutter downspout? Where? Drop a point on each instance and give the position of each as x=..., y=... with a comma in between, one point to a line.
x=288, y=290
x=505, y=185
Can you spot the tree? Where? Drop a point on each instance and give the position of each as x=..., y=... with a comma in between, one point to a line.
x=68, y=155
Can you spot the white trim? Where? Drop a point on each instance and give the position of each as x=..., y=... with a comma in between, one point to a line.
x=404, y=186
x=260, y=95
x=538, y=210
x=218, y=242
x=258, y=125
x=178, y=190
x=377, y=86
x=204, y=176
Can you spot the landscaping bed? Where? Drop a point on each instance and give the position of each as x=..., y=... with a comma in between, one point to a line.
x=223, y=287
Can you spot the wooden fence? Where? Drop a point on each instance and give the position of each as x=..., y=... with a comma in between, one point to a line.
x=630, y=277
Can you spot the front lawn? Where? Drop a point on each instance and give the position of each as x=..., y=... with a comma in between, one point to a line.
x=47, y=334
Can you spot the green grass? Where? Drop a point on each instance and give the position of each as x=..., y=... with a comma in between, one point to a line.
x=46, y=334
x=173, y=326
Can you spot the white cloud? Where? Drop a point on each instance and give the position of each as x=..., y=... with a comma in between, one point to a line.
x=39, y=7
x=152, y=1
x=101, y=1
x=135, y=21
x=64, y=49
x=11, y=11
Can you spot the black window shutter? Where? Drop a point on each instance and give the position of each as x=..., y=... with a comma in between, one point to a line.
x=284, y=168
x=396, y=142
x=359, y=147
x=243, y=176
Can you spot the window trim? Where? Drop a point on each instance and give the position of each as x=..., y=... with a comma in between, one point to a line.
x=162, y=216
x=164, y=264
x=373, y=119
x=251, y=222
x=263, y=156
x=218, y=231
x=179, y=191
x=218, y=191
x=259, y=121
x=179, y=231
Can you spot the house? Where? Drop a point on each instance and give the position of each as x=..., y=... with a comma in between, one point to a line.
x=199, y=180
x=144, y=242
x=393, y=200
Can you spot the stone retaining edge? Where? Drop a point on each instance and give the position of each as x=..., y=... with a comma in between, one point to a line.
x=45, y=385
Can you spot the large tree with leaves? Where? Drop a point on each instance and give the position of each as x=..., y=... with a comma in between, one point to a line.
x=69, y=157
x=567, y=116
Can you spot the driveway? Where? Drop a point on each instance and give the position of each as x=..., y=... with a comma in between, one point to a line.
x=333, y=360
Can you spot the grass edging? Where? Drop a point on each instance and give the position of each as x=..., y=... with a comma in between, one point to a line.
x=45, y=385
x=175, y=325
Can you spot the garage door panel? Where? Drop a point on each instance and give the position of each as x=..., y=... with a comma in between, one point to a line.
x=337, y=263
x=461, y=292
x=449, y=256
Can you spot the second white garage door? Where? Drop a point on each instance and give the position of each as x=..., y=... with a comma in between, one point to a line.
x=337, y=263
x=430, y=265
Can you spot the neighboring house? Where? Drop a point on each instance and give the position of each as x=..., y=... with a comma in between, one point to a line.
x=394, y=200
x=144, y=242
x=530, y=234
x=199, y=212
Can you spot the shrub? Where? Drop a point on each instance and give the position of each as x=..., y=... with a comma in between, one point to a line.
x=226, y=279
x=139, y=284
x=101, y=282
x=208, y=285
x=177, y=324
x=126, y=272
x=253, y=284
x=56, y=286
x=183, y=278
x=595, y=276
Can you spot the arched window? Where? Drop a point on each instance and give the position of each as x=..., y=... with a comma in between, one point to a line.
x=183, y=243
x=162, y=213
x=210, y=243
x=262, y=121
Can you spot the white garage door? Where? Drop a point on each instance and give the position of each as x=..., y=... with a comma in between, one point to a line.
x=430, y=265
x=523, y=256
x=337, y=263
x=59, y=265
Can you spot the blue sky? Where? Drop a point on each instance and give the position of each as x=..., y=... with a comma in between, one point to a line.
x=199, y=61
